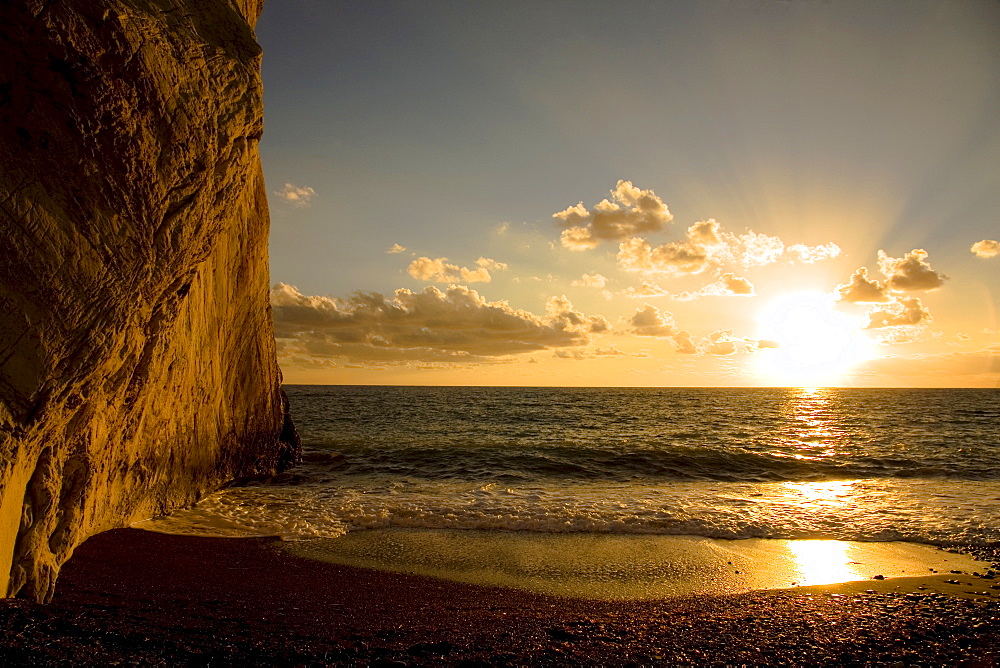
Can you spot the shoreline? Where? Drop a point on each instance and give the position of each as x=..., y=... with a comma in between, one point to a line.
x=134, y=596
x=635, y=567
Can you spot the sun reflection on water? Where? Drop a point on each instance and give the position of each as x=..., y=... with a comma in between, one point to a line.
x=824, y=493
x=823, y=562
x=812, y=432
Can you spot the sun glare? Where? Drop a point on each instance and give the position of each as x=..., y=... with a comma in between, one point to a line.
x=815, y=343
x=823, y=562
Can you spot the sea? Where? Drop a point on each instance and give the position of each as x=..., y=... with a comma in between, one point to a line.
x=916, y=465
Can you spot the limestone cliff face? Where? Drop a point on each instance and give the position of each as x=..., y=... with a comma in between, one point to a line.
x=137, y=365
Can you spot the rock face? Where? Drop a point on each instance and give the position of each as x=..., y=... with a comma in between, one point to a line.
x=137, y=364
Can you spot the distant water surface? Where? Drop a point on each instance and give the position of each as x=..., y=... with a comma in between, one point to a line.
x=849, y=464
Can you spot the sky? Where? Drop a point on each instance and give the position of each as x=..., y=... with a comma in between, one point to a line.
x=631, y=193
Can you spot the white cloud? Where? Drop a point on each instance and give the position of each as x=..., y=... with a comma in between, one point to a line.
x=396, y=249
x=491, y=265
x=986, y=248
x=728, y=285
x=645, y=289
x=590, y=281
x=721, y=343
x=296, y=195
x=811, y=254
x=707, y=246
x=439, y=270
x=454, y=325
x=910, y=272
x=593, y=353
x=630, y=211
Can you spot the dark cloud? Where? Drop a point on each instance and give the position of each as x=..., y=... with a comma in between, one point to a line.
x=861, y=289
x=650, y=321
x=906, y=311
x=455, y=325
x=910, y=272
x=630, y=211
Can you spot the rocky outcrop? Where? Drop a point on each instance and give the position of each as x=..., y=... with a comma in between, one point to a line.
x=137, y=365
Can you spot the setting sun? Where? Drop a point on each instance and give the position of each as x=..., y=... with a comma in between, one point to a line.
x=814, y=343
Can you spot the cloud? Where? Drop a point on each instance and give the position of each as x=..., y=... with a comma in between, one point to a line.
x=752, y=249
x=590, y=281
x=910, y=272
x=986, y=248
x=490, y=265
x=650, y=321
x=454, y=325
x=861, y=289
x=902, y=312
x=594, y=353
x=677, y=258
x=728, y=285
x=811, y=254
x=440, y=271
x=645, y=289
x=559, y=310
x=705, y=233
x=684, y=344
x=296, y=195
x=630, y=211
x=892, y=336
x=721, y=343
x=396, y=249
x=707, y=246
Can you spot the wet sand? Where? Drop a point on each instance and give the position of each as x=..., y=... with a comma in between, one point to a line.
x=628, y=567
x=135, y=597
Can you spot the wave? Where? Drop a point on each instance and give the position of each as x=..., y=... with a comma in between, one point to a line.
x=869, y=510
x=673, y=463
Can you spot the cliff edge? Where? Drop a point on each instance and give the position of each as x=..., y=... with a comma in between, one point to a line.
x=137, y=364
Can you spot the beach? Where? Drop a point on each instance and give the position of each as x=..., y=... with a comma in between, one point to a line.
x=134, y=597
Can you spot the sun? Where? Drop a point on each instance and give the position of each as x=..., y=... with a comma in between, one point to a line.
x=814, y=343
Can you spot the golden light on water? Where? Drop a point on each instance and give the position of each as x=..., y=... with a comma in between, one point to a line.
x=825, y=493
x=823, y=562
x=815, y=343
x=819, y=562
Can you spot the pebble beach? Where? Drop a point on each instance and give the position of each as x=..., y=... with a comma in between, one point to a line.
x=129, y=597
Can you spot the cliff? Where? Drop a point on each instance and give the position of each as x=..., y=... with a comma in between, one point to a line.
x=137, y=365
